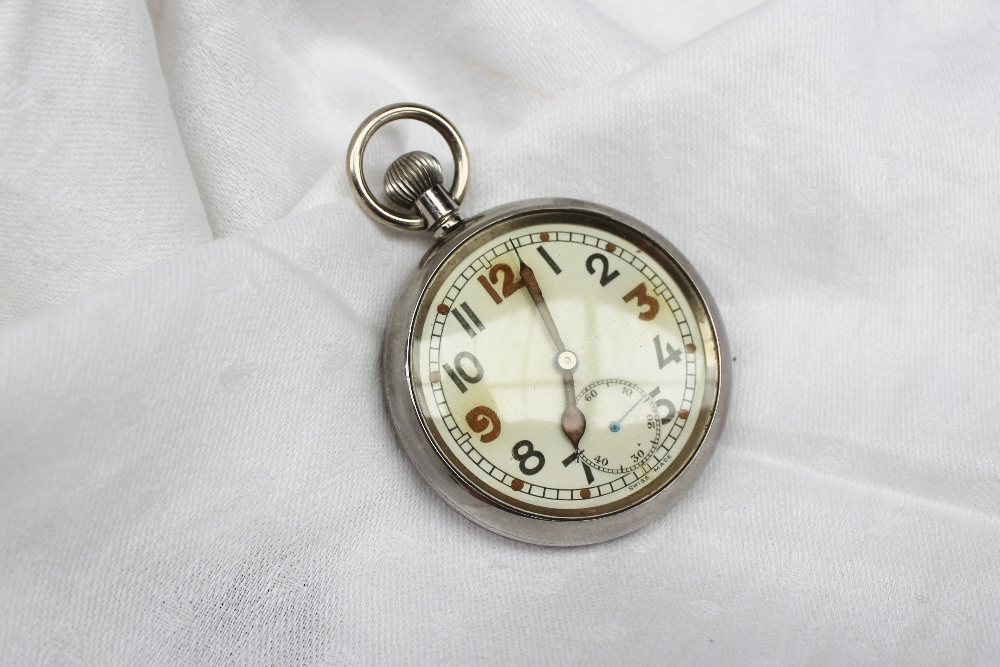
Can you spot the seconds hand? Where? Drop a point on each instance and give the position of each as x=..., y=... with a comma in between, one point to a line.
x=616, y=426
x=573, y=422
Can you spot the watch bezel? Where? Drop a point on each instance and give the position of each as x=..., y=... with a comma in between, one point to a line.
x=478, y=504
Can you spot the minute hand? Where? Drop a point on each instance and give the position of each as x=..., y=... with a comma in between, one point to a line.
x=573, y=421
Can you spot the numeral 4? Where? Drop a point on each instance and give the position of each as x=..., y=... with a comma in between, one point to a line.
x=672, y=355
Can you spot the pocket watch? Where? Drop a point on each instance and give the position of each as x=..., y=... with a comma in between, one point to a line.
x=555, y=369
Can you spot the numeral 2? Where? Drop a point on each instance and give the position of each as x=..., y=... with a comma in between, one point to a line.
x=458, y=373
x=483, y=420
x=605, y=276
x=508, y=286
x=643, y=299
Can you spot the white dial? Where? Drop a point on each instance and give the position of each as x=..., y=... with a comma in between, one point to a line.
x=559, y=367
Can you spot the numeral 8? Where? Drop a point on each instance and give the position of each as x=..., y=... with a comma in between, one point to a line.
x=523, y=452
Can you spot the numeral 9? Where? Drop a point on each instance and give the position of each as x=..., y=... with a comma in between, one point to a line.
x=483, y=420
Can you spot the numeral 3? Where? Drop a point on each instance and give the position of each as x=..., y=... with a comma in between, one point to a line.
x=643, y=300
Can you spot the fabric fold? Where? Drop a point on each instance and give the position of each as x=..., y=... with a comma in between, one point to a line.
x=196, y=464
x=94, y=182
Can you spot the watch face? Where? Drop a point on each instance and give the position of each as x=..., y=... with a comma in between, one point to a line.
x=563, y=365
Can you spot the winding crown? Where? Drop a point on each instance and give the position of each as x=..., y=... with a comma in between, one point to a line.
x=411, y=175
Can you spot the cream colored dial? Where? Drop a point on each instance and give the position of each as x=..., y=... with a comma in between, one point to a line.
x=532, y=324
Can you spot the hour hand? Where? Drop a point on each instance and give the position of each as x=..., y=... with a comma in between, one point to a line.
x=573, y=421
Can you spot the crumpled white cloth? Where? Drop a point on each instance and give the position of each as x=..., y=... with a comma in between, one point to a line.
x=195, y=464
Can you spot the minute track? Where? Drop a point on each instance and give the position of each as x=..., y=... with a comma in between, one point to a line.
x=499, y=253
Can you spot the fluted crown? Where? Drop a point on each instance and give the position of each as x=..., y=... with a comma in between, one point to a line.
x=411, y=175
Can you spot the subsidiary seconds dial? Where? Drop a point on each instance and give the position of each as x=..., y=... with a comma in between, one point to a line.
x=624, y=426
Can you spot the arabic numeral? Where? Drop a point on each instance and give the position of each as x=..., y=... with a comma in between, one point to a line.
x=598, y=258
x=460, y=372
x=523, y=452
x=643, y=300
x=482, y=419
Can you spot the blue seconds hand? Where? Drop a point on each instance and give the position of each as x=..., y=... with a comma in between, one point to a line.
x=616, y=425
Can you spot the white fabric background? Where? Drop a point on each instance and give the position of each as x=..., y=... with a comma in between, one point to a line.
x=194, y=462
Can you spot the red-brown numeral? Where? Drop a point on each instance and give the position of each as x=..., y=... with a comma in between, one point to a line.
x=489, y=289
x=509, y=284
x=480, y=419
x=643, y=299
